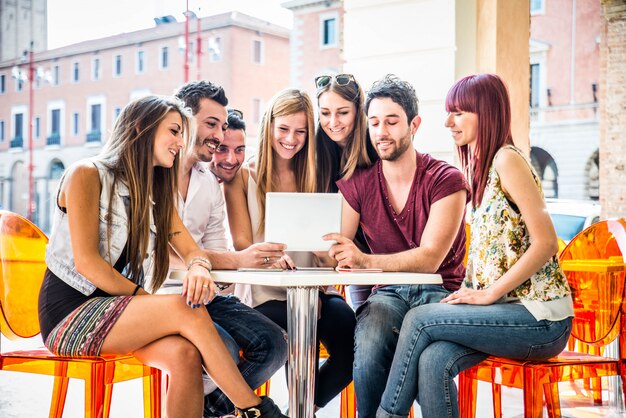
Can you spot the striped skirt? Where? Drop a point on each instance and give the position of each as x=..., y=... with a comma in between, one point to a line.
x=82, y=332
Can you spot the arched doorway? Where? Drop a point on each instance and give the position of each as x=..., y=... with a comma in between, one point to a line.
x=592, y=177
x=546, y=168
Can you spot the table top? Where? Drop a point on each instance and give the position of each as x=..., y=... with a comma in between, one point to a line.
x=296, y=278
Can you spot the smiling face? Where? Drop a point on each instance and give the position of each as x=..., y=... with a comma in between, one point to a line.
x=337, y=116
x=210, y=126
x=464, y=127
x=168, y=140
x=289, y=134
x=390, y=132
x=229, y=155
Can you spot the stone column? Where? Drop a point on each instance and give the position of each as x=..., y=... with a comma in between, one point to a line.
x=503, y=33
x=613, y=110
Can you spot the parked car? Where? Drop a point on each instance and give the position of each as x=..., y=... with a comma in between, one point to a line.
x=572, y=216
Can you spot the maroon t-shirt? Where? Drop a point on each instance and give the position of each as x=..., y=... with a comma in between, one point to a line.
x=387, y=232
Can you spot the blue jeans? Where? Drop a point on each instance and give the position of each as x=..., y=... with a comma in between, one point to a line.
x=379, y=321
x=438, y=341
x=263, y=345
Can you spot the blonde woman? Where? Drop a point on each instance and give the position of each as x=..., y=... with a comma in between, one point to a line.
x=286, y=163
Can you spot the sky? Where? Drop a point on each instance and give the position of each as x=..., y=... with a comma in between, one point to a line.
x=72, y=21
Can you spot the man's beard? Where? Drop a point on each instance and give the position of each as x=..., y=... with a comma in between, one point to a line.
x=210, y=143
x=401, y=148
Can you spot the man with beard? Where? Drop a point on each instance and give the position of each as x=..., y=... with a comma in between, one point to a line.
x=230, y=153
x=258, y=345
x=411, y=209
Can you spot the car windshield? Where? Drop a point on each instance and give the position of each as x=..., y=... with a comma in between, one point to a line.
x=567, y=226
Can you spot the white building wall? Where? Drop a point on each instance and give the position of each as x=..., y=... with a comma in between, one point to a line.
x=416, y=40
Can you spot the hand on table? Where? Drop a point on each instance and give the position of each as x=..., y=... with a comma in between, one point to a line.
x=345, y=252
x=198, y=286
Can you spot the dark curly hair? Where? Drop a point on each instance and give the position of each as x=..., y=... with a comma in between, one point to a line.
x=399, y=91
x=194, y=91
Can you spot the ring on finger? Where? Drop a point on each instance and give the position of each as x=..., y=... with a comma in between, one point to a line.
x=206, y=286
x=266, y=260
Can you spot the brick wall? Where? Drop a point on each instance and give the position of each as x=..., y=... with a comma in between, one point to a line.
x=613, y=110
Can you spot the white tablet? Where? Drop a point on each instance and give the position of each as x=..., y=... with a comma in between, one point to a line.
x=299, y=220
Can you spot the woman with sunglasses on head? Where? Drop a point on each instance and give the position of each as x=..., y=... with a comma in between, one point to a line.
x=515, y=301
x=114, y=220
x=342, y=145
x=285, y=162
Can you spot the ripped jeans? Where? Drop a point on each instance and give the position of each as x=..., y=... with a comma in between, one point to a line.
x=379, y=321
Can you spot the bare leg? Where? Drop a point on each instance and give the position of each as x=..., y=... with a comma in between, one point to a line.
x=151, y=317
x=183, y=365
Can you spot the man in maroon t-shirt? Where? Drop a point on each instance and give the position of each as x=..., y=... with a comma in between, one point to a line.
x=411, y=209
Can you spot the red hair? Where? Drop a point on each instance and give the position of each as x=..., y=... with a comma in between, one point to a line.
x=487, y=96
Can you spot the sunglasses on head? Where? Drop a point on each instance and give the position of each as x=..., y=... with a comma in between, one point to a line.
x=236, y=112
x=340, y=79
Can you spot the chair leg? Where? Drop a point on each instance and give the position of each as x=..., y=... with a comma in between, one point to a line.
x=553, y=401
x=533, y=394
x=496, y=393
x=347, y=408
x=152, y=393
x=95, y=392
x=263, y=390
x=467, y=395
x=59, y=393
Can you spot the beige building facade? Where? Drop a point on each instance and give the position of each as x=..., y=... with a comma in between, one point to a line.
x=79, y=90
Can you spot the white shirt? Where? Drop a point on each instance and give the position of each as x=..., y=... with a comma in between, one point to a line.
x=203, y=211
x=203, y=214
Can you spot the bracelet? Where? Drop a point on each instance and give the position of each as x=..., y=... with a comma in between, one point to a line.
x=202, y=262
x=136, y=290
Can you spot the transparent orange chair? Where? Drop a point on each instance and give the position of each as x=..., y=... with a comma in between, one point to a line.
x=22, y=267
x=594, y=265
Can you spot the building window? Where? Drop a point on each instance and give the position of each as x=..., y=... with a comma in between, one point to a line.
x=165, y=58
x=116, y=113
x=257, y=51
x=140, y=62
x=19, y=84
x=95, y=120
x=75, y=72
x=18, y=131
x=37, y=127
x=96, y=70
x=55, y=75
x=537, y=7
x=2, y=130
x=329, y=32
x=75, y=123
x=534, y=85
x=117, y=65
x=55, y=128
x=2, y=83
x=215, y=49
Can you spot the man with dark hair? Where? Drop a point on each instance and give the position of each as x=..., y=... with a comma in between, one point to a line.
x=262, y=343
x=230, y=154
x=410, y=207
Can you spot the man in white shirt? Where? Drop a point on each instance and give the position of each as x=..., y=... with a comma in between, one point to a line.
x=262, y=344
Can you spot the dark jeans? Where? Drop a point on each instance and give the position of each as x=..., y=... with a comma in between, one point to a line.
x=335, y=329
x=262, y=343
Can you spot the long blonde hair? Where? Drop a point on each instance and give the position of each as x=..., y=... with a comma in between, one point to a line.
x=286, y=102
x=129, y=155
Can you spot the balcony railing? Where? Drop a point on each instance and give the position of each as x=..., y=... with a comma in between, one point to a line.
x=94, y=136
x=561, y=113
x=17, y=142
x=53, y=139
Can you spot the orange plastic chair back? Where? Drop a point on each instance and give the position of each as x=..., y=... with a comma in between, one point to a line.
x=594, y=265
x=467, y=242
x=22, y=264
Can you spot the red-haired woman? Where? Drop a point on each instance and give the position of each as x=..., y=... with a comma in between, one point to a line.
x=515, y=301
